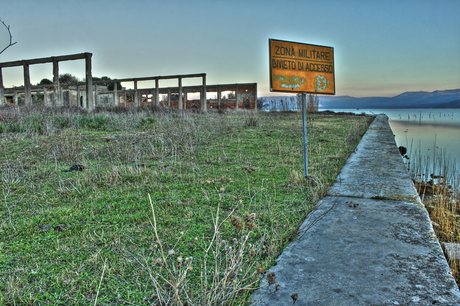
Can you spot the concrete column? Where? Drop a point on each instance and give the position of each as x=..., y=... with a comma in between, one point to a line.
x=89, y=82
x=85, y=100
x=180, y=93
x=27, y=90
x=219, y=98
x=15, y=97
x=184, y=102
x=236, y=97
x=204, y=100
x=2, y=91
x=157, y=92
x=255, y=97
x=61, y=96
x=45, y=102
x=136, y=95
x=96, y=94
x=169, y=97
x=56, y=83
x=78, y=96
x=115, y=94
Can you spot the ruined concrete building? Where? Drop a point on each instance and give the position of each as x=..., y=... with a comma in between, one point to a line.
x=204, y=96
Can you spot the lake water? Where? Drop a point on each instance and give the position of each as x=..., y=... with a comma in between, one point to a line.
x=428, y=134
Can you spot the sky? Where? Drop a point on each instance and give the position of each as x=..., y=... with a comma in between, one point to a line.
x=382, y=48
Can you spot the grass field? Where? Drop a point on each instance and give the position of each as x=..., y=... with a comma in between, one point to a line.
x=172, y=208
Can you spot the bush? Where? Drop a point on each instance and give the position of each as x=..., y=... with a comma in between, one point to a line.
x=93, y=122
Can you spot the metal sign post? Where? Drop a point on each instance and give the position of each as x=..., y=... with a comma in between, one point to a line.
x=301, y=68
x=305, y=138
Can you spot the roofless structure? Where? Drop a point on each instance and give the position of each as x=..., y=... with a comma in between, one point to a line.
x=91, y=93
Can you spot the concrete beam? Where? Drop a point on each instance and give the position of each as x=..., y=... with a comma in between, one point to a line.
x=183, y=76
x=46, y=60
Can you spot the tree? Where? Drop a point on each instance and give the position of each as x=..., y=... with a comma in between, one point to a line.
x=312, y=102
x=106, y=81
x=11, y=37
x=67, y=78
x=262, y=104
x=45, y=82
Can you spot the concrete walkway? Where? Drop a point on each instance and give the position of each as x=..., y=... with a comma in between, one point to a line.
x=374, y=246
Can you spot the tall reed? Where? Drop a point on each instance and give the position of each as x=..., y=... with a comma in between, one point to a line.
x=436, y=180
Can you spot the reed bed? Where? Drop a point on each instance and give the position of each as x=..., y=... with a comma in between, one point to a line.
x=437, y=182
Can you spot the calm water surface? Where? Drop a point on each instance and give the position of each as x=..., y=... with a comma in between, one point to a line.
x=428, y=134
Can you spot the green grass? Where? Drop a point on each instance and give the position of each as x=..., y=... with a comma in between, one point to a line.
x=228, y=194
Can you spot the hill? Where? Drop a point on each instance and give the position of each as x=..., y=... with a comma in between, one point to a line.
x=419, y=99
x=410, y=99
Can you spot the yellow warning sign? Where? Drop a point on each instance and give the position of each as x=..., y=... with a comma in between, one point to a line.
x=297, y=67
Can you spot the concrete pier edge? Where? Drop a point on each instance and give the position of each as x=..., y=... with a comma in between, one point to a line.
x=375, y=244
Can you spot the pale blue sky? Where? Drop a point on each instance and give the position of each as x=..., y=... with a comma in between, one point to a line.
x=382, y=48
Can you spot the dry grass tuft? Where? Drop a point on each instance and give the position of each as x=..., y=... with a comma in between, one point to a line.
x=226, y=270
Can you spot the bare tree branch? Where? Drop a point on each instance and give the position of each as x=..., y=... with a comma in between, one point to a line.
x=11, y=37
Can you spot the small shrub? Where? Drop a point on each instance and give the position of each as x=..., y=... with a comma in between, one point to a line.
x=250, y=120
x=93, y=122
